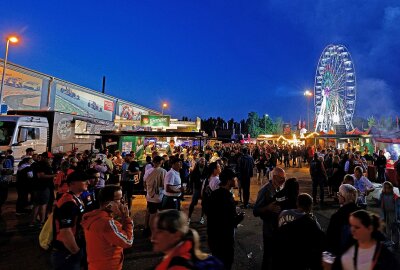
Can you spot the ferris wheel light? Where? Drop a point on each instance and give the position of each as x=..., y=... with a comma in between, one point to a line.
x=336, y=118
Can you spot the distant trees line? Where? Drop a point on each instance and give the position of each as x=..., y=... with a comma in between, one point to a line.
x=264, y=124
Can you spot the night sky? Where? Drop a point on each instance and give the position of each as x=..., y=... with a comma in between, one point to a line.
x=210, y=58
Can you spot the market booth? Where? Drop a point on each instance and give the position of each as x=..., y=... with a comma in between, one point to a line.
x=392, y=147
x=136, y=141
x=127, y=141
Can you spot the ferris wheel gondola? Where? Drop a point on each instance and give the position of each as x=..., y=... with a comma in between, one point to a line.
x=334, y=89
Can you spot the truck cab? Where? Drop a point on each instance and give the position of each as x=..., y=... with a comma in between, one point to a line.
x=19, y=132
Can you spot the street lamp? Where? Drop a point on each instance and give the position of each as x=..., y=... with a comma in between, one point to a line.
x=265, y=123
x=308, y=94
x=11, y=39
x=164, y=106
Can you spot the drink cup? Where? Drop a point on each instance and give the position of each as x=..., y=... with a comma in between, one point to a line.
x=328, y=257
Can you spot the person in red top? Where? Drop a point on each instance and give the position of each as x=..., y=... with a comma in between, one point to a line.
x=171, y=235
x=105, y=236
x=68, y=238
x=60, y=181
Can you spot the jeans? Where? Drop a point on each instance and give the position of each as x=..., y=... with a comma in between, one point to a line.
x=315, y=183
x=3, y=192
x=22, y=200
x=195, y=199
x=381, y=175
x=267, y=253
x=63, y=260
x=127, y=189
x=246, y=190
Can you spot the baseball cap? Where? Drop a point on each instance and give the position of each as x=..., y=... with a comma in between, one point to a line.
x=30, y=149
x=47, y=155
x=77, y=176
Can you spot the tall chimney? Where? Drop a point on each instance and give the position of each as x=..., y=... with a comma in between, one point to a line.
x=104, y=85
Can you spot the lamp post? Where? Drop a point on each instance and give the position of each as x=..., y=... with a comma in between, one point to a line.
x=164, y=106
x=308, y=94
x=11, y=39
x=265, y=123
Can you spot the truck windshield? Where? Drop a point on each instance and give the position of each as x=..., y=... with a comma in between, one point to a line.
x=6, y=132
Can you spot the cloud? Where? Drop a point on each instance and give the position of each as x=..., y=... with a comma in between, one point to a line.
x=375, y=97
x=371, y=32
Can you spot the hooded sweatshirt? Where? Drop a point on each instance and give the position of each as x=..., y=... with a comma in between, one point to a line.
x=105, y=239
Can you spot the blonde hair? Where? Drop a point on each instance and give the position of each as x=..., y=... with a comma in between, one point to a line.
x=348, y=192
x=173, y=221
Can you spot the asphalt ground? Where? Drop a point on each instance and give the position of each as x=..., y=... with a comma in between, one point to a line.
x=19, y=247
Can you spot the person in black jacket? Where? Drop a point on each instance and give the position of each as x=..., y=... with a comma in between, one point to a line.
x=319, y=177
x=246, y=165
x=380, y=164
x=222, y=219
x=197, y=177
x=299, y=243
x=24, y=182
x=338, y=232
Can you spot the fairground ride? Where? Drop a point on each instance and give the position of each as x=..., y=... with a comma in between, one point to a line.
x=334, y=89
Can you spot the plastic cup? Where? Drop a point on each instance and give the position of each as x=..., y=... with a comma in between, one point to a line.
x=328, y=257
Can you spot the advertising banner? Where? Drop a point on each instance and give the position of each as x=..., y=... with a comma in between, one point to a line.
x=155, y=120
x=74, y=101
x=133, y=143
x=21, y=91
x=287, y=129
x=129, y=112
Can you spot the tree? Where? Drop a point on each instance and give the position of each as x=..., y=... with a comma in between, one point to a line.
x=371, y=121
x=278, y=126
x=268, y=125
x=253, y=122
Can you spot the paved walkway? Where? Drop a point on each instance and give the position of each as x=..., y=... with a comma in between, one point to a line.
x=19, y=248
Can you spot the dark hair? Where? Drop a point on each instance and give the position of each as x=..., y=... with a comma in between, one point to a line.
x=304, y=201
x=368, y=219
x=148, y=159
x=157, y=159
x=91, y=171
x=226, y=175
x=77, y=176
x=212, y=167
x=173, y=160
x=292, y=191
x=245, y=150
x=107, y=193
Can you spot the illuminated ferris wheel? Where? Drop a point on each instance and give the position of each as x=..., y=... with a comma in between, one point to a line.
x=334, y=89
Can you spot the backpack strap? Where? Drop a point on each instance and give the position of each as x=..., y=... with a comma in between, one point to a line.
x=180, y=261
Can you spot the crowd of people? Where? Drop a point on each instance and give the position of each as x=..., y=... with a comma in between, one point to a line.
x=89, y=198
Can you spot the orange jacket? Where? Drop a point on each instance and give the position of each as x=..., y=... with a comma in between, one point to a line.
x=105, y=240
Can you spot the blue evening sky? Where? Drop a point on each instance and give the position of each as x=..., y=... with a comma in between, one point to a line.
x=210, y=58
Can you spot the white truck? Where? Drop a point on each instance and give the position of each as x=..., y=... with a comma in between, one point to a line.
x=52, y=131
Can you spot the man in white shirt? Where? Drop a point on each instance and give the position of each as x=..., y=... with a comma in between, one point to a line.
x=172, y=186
x=154, y=181
x=363, y=185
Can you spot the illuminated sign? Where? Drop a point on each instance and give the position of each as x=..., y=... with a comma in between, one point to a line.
x=155, y=120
